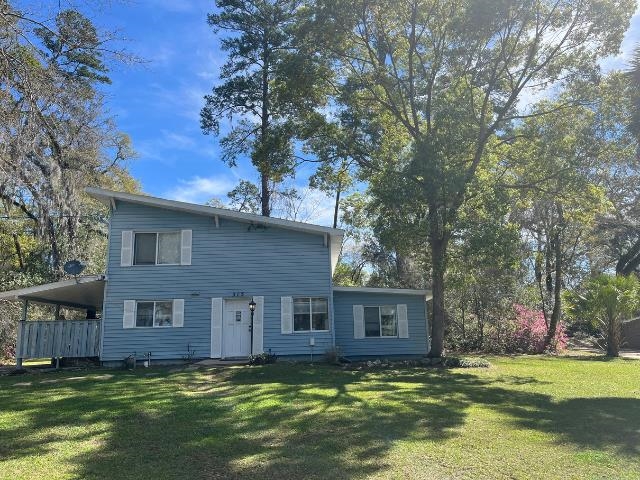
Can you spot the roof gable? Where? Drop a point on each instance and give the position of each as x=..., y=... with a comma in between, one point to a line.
x=333, y=236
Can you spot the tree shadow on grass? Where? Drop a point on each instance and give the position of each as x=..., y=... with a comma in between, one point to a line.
x=285, y=421
x=591, y=423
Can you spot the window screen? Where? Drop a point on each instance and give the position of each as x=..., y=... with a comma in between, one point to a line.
x=163, y=314
x=169, y=248
x=319, y=313
x=388, y=322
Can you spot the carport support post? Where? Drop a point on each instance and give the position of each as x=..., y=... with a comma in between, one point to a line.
x=25, y=307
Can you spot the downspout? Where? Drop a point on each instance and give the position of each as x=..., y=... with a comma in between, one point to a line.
x=19, y=346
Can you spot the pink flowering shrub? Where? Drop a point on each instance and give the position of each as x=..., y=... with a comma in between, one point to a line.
x=530, y=331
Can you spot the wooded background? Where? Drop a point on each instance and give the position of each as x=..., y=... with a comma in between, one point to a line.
x=473, y=148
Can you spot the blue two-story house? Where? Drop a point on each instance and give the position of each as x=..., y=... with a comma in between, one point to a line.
x=185, y=280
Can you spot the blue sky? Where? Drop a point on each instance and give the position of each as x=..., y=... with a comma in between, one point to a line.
x=158, y=103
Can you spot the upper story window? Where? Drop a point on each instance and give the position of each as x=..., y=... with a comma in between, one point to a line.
x=310, y=314
x=380, y=321
x=157, y=248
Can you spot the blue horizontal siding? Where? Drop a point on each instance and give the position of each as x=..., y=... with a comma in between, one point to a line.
x=270, y=262
x=416, y=344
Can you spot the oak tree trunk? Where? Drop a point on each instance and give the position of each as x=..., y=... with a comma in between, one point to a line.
x=438, y=244
x=557, y=284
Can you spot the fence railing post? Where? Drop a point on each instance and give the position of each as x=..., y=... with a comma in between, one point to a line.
x=19, y=345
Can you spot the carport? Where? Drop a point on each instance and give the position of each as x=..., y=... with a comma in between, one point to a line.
x=57, y=338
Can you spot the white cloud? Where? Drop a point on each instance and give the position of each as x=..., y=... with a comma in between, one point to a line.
x=200, y=189
x=162, y=55
x=166, y=144
x=177, y=141
x=314, y=206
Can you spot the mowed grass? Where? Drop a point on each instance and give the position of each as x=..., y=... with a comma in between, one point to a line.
x=526, y=417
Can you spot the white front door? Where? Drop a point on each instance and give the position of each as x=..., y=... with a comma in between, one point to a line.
x=236, y=329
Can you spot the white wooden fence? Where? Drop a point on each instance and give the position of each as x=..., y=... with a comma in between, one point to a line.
x=58, y=338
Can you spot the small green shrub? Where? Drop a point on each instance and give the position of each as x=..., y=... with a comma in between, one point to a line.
x=465, y=362
x=263, y=358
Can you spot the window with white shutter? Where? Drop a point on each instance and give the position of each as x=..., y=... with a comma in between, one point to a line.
x=358, y=321
x=403, y=321
x=286, y=315
x=126, y=249
x=185, y=251
x=258, y=322
x=129, y=316
x=178, y=312
x=216, y=327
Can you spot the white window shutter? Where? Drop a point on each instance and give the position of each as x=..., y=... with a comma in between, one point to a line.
x=216, y=327
x=403, y=321
x=286, y=315
x=129, y=317
x=358, y=321
x=178, y=312
x=126, y=249
x=258, y=321
x=185, y=250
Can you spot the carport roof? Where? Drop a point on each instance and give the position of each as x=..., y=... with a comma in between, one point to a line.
x=80, y=292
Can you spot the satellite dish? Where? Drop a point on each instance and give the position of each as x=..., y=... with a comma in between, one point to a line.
x=74, y=267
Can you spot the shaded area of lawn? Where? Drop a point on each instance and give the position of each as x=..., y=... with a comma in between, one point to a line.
x=287, y=421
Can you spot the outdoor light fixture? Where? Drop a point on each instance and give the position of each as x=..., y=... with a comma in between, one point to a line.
x=252, y=309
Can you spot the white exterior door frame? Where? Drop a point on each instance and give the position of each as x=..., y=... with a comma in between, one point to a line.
x=236, y=328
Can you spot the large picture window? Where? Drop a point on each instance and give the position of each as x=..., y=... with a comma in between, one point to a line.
x=154, y=314
x=157, y=248
x=380, y=321
x=310, y=314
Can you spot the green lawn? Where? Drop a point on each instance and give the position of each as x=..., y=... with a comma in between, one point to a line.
x=527, y=417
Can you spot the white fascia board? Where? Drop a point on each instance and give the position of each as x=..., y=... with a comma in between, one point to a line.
x=105, y=196
x=394, y=291
x=20, y=292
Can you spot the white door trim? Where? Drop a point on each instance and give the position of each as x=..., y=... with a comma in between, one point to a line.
x=236, y=335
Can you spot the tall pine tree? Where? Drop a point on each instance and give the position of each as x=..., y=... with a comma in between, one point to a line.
x=269, y=86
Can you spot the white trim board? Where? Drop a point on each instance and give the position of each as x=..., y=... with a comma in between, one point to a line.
x=20, y=292
x=394, y=291
x=106, y=196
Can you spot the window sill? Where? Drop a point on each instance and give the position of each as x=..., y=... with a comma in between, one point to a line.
x=306, y=332
x=156, y=265
x=151, y=328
